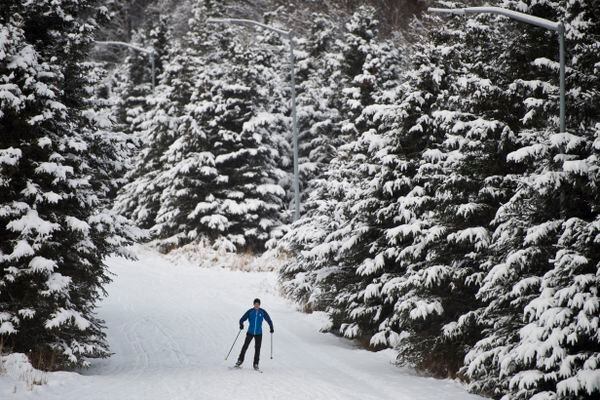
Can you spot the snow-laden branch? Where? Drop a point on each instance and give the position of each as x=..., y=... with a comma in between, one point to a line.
x=249, y=22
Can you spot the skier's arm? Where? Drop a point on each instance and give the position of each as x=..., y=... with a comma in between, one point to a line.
x=268, y=319
x=244, y=317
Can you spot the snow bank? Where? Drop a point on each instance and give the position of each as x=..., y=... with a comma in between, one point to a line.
x=19, y=379
x=17, y=373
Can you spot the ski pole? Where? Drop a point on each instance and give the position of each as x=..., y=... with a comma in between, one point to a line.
x=236, y=338
x=271, y=346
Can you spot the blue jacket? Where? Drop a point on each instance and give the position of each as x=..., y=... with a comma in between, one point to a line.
x=255, y=318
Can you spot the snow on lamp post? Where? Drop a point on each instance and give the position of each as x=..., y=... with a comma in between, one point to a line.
x=288, y=35
x=150, y=53
x=530, y=19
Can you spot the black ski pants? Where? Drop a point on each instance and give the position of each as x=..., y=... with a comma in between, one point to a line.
x=257, y=343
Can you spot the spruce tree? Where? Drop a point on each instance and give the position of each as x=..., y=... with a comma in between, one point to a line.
x=318, y=88
x=215, y=142
x=109, y=147
x=540, y=319
x=239, y=109
x=54, y=233
x=155, y=36
x=248, y=146
x=333, y=235
x=140, y=199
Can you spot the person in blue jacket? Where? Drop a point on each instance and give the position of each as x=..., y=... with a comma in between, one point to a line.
x=255, y=317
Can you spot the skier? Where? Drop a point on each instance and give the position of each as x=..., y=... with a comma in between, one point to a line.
x=255, y=317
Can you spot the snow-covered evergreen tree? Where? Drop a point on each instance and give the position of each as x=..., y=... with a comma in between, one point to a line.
x=318, y=74
x=403, y=254
x=250, y=148
x=329, y=236
x=541, y=287
x=140, y=199
x=54, y=232
x=109, y=147
x=458, y=185
x=151, y=196
x=215, y=143
x=154, y=36
x=371, y=91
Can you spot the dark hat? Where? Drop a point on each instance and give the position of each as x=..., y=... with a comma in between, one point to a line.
x=256, y=301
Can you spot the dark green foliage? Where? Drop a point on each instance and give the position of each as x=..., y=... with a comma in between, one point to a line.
x=455, y=220
x=54, y=230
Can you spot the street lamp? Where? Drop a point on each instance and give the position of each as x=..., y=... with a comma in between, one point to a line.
x=530, y=19
x=150, y=53
x=288, y=35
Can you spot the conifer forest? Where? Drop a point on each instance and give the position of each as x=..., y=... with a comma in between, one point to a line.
x=449, y=210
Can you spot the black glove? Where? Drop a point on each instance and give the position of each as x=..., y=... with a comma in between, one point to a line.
x=241, y=326
x=272, y=330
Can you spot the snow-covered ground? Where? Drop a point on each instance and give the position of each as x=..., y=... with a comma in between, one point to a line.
x=171, y=325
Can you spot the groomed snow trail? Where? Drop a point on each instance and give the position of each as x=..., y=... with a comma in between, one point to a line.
x=170, y=327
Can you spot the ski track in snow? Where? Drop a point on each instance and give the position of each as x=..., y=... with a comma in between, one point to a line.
x=170, y=327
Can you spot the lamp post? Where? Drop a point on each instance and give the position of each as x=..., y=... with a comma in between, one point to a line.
x=288, y=35
x=150, y=53
x=529, y=19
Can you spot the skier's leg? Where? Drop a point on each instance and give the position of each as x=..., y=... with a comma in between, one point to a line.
x=244, y=348
x=257, y=343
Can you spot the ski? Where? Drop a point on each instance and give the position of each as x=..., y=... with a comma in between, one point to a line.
x=258, y=370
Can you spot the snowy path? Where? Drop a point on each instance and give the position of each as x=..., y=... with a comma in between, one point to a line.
x=170, y=327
